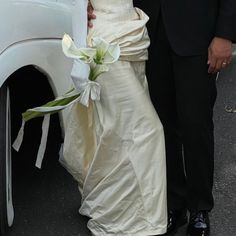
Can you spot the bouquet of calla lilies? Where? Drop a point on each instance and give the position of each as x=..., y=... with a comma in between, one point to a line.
x=97, y=57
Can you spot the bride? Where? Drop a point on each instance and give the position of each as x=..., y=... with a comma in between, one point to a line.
x=115, y=147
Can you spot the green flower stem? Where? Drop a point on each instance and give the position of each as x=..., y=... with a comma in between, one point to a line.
x=29, y=114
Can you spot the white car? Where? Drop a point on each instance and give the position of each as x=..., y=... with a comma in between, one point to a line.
x=32, y=65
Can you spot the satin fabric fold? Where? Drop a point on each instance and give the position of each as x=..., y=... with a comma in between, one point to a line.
x=115, y=148
x=127, y=28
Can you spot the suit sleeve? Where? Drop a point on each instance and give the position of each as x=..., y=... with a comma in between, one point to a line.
x=226, y=23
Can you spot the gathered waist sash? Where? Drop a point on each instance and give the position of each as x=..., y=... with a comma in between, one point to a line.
x=128, y=28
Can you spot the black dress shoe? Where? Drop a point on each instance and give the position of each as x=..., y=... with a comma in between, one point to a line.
x=199, y=224
x=176, y=219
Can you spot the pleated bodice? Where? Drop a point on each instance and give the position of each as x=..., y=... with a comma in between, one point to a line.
x=119, y=21
x=112, y=5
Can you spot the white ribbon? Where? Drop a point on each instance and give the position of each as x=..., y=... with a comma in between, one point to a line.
x=43, y=143
x=19, y=139
x=90, y=90
x=80, y=70
x=42, y=147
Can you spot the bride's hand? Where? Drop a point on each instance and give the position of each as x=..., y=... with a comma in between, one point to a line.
x=91, y=16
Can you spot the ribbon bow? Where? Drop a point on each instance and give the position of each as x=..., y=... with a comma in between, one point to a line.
x=91, y=90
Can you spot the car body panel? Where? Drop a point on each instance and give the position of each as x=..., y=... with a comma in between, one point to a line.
x=31, y=32
x=23, y=20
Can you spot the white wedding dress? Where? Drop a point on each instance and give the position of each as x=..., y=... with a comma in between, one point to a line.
x=115, y=148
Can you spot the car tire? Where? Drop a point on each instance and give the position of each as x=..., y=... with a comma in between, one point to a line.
x=6, y=205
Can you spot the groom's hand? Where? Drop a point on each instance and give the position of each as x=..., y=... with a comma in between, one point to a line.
x=219, y=54
x=91, y=16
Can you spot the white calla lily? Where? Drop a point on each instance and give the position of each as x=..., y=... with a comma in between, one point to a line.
x=71, y=51
x=113, y=54
x=106, y=53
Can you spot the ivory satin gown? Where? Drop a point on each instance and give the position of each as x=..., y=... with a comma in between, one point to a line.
x=115, y=148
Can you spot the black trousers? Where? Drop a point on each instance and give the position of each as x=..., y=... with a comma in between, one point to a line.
x=184, y=93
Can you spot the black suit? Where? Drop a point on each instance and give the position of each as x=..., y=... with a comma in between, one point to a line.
x=191, y=24
x=183, y=92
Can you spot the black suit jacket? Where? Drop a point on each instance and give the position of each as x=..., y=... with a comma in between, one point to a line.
x=191, y=24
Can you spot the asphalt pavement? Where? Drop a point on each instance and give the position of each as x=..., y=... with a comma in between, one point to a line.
x=47, y=201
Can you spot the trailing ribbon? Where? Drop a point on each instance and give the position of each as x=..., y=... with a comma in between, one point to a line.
x=43, y=143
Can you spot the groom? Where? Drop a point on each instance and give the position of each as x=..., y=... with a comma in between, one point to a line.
x=190, y=42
